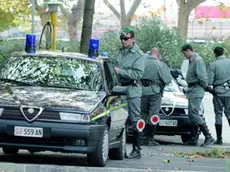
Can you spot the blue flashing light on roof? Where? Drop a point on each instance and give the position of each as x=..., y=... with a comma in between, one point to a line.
x=105, y=54
x=30, y=43
x=93, y=48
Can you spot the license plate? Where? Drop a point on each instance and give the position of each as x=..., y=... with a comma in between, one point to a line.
x=28, y=131
x=168, y=123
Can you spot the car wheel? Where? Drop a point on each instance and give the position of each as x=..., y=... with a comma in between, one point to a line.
x=10, y=150
x=119, y=153
x=185, y=138
x=100, y=156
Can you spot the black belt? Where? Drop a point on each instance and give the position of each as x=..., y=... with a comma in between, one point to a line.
x=147, y=82
x=193, y=84
x=132, y=83
x=222, y=84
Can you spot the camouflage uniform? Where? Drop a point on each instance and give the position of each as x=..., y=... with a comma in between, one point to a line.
x=219, y=77
x=156, y=76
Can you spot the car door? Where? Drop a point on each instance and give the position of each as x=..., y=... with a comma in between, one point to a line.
x=116, y=104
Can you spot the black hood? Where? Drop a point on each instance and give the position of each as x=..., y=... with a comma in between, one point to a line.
x=52, y=97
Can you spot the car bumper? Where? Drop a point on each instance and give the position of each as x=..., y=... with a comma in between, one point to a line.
x=64, y=137
x=183, y=126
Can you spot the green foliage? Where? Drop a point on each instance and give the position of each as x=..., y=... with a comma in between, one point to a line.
x=7, y=47
x=153, y=33
x=149, y=33
x=14, y=13
x=6, y=20
x=212, y=153
x=110, y=42
x=205, y=49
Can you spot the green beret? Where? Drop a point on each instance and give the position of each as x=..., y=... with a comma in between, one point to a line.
x=185, y=46
x=218, y=47
x=125, y=31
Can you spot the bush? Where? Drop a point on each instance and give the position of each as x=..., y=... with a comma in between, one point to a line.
x=150, y=33
x=205, y=50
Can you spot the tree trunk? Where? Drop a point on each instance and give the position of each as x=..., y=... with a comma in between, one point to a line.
x=183, y=17
x=43, y=14
x=87, y=25
x=185, y=8
x=73, y=18
x=125, y=19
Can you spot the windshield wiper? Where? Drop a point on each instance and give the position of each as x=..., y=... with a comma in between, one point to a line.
x=61, y=86
x=16, y=82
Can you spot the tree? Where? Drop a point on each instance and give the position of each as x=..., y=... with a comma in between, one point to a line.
x=125, y=18
x=74, y=17
x=185, y=7
x=14, y=12
x=87, y=25
x=6, y=20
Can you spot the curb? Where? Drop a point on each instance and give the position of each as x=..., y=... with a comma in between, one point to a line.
x=56, y=168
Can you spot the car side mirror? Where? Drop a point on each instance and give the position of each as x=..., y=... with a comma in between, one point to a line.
x=119, y=90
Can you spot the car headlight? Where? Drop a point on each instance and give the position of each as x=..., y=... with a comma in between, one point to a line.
x=74, y=117
x=186, y=111
x=1, y=110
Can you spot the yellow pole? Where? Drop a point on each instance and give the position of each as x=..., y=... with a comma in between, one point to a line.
x=54, y=24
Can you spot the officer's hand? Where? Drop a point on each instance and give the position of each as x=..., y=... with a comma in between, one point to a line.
x=210, y=90
x=117, y=69
x=185, y=90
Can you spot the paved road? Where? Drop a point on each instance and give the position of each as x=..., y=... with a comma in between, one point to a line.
x=210, y=118
x=160, y=158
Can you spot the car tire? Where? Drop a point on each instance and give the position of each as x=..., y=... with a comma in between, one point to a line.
x=100, y=156
x=119, y=153
x=186, y=137
x=8, y=150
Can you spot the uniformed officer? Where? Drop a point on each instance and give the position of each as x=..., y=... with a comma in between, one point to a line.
x=129, y=65
x=219, y=78
x=156, y=76
x=197, y=82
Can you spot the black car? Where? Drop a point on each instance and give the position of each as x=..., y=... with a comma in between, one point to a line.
x=62, y=102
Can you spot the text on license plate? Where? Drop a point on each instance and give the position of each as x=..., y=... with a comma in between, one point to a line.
x=170, y=123
x=28, y=131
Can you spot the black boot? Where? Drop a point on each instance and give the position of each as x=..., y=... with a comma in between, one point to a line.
x=136, y=152
x=193, y=141
x=208, y=137
x=150, y=136
x=229, y=122
x=219, y=140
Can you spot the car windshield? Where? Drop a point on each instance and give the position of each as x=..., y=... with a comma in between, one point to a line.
x=172, y=87
x=52, y=72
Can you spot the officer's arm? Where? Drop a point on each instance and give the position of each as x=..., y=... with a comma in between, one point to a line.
x=211, y=74
x=201, y=73
x=136, y=72
x=164, y=73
